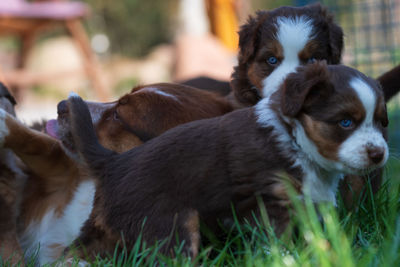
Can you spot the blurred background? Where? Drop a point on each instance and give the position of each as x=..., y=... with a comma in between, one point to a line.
x=102, y=48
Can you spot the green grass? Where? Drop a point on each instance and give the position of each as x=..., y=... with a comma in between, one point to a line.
x=368, y=235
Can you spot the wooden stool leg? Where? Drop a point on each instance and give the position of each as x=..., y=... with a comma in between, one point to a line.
x=77, y=32
x=27, y=42
x=2, y=79
x=27, y=39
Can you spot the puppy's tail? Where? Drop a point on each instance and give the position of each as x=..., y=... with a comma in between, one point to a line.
x=94, y=154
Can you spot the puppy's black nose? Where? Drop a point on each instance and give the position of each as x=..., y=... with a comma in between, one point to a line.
x=62, y=108
x=376, y=154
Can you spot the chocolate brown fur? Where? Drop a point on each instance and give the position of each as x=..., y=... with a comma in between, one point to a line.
x=130, y=190
x=11, y=182
x=200, y=168
x=390, y=82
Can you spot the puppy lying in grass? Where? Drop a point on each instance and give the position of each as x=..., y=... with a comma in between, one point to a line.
x=324, y=122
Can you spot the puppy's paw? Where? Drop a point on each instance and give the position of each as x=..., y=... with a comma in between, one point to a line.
x=3, y=126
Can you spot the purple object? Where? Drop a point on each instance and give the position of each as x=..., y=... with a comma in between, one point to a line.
x=43, y=10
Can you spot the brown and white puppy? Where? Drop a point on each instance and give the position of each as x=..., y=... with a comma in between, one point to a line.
x=53, y=195
x=273, y=43
x=58, y=195
x=323, y=123
x=48, y=210
x=144, y=113
x=11, y=182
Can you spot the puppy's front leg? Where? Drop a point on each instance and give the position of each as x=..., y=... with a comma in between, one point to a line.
x=42, y=154
x=10, y=249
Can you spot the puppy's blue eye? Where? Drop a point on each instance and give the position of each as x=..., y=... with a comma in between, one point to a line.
x=272, y=60
x=311, y=60
x=346, y=123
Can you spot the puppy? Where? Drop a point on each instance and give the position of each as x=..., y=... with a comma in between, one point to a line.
x=273, y=43
x=58, y=195
x=323, y=123
x=144, y=113
x=59, y=184
x=11, y=182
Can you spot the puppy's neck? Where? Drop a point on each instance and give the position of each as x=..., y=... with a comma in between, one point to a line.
x=320, y=175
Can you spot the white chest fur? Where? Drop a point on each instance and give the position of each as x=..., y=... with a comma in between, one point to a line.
x=48, y=237
x=320, y=185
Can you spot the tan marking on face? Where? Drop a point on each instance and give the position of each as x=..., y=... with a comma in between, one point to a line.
x=308, y=51
x=260, y=68
x=255, y=75
x=315, y=130
x=272, y=48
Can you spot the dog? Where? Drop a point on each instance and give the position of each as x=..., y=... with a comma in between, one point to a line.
x=11, y=181
x=37, y=185
x=58, y=194
x=323, y=123
x=142, y=114
x=120, y=126
x=270, y=44
x=273, y=43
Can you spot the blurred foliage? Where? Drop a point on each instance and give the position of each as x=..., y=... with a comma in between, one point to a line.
x=264, y=4
x=133, y=26
x=125, y=86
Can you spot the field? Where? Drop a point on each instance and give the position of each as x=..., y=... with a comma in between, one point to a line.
x=368, y=235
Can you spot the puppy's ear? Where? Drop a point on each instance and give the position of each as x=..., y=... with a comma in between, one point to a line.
x=4, y=92
x=249, y=36
x=335, y=42
x=304, y=87
x=335, y=33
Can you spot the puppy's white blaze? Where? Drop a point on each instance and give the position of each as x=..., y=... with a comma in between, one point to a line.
x=3, y=126
x=367, y=97
x=53, y=231
x=73, y=94
x=293, y=34
x=160, y=92
x=353, y=151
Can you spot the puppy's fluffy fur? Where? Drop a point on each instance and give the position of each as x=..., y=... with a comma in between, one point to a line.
x=11, y=182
